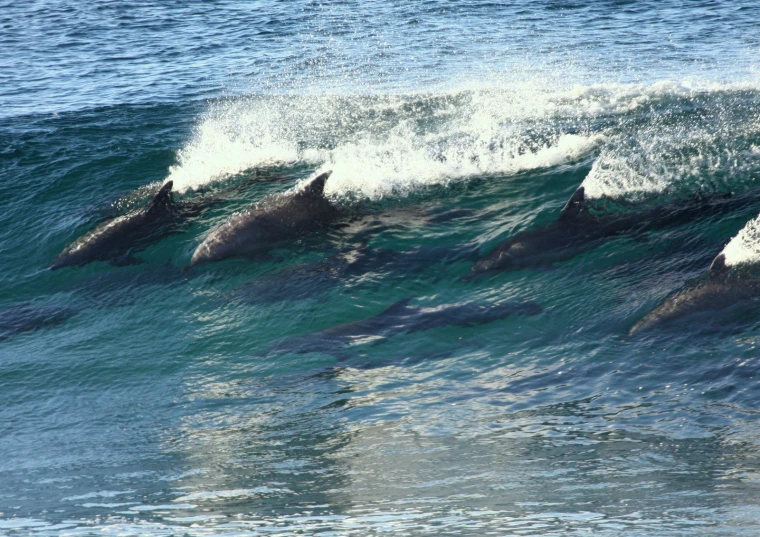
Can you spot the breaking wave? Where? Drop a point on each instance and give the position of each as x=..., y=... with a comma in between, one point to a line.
x=744, y=248
x=638, y=140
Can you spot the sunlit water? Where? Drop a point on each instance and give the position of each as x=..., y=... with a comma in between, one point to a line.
x=143, y=400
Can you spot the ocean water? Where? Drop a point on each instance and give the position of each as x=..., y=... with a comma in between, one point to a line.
x=138, y=399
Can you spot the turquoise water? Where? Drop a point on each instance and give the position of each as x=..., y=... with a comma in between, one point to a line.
x=144, y=400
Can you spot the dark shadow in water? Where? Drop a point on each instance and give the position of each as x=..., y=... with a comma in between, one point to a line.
x=401, y=318
x=29, y=317
x=316, y=280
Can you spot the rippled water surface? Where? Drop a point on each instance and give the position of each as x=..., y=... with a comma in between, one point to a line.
x=253, y=396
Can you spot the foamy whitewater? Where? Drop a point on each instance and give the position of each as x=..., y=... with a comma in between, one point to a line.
x=373, y=146
x=377, y=148
x=351, y=381
x=744, y=248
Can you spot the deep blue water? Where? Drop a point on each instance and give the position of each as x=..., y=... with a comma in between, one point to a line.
x=138, y=399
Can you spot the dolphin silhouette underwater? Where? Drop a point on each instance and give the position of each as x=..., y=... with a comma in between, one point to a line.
x=402, y=318
x=578, y=230
x=724, y=288
x=28, y=317
x=256, y=231
x=316, y=279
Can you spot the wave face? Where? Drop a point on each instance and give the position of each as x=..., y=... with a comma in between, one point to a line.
x=643, y=139
x=238, y=397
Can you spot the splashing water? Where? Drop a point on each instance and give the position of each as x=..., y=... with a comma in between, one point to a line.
x=744, y=248
x=375, y=145
x=390, y=145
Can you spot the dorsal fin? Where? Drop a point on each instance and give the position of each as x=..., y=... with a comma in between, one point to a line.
x=163, y=194
x=397, y=307
x=718, y=265
x=316, y=187
x=575, y=204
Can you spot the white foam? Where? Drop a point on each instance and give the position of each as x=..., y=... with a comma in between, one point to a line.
x=653, y=161
x=744, y=248
x=379, y=145
x=673, y=154
x=396, y=167
x=99, y=494
x=374, y=145
x=106, y=505
x=234, y=493
x=21, y=523
x=230, y=139
x=163, y=507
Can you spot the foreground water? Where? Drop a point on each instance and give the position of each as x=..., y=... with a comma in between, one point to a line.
x=143, y=400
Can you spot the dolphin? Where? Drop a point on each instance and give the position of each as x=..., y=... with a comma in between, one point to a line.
x=314, y=280
x=27, y=317
x=562, y=239
x=113, y=239
x=256, y=231
x=720, y=291
x=401, y=318
x=577, y=230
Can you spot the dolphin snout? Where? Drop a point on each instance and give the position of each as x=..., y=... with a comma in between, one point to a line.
x=200, y=257
x=61, y=261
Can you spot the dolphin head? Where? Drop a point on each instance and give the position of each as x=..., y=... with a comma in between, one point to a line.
x=202, y=255
x=221, y=243
x=85, y=249
x=60, y=262
x=80, y=252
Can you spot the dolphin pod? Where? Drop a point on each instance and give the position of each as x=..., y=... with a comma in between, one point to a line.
x=287, y=217
x=256, y=231
x=402, y=318
x=116, y=239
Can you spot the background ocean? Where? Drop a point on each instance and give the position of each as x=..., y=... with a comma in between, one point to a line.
x=143, y=400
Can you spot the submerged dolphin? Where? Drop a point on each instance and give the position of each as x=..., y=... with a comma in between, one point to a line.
x=315, y=280
x=578, y=230
x=256, y=231
x=720, y=291
x=401, y=318
x=113, y=239
x=26, y=317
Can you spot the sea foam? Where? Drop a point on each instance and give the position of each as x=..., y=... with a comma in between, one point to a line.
x=393, y=144
x=744, y=248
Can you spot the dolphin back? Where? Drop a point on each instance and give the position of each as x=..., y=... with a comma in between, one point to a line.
x=316, y=188
x=397, y=308
x=575, y=205
x=162, y=197
x=256, y=231
x=718, y=267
